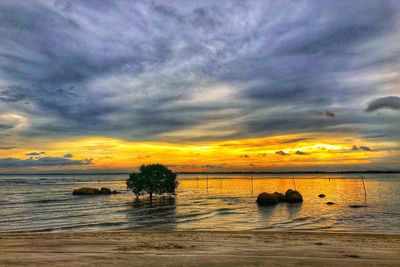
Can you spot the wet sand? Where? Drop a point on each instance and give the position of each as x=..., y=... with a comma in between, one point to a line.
x=184, y=248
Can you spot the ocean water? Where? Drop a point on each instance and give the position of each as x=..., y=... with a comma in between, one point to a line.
x=223, y=202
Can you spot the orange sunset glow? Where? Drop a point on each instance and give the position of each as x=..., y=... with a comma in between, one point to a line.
x=285, y=152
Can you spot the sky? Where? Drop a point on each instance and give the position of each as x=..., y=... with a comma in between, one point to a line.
x=199, y=85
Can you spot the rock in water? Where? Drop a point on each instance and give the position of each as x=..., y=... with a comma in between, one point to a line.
x=105, y=191
x=279, y=196
x=330, y=203
x=321, y=195
x=357, y=206
x=293, y=196
x=266, y=199
x=114, y=192
x=86, y=191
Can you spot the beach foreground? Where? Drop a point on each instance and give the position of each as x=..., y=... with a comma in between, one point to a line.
x=181, y=248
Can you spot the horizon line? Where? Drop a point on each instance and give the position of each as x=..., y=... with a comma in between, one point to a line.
x=234, y=172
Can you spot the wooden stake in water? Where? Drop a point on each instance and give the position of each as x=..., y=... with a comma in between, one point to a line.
x=207, y=178
x=252, y=185
x=365, y=190
x=294, y=182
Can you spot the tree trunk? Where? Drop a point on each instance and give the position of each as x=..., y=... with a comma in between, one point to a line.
x=151, y=197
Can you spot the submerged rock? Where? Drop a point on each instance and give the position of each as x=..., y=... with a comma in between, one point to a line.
x=114, y=192
x=105, y=191
x=267, y=199
x=279, y=196
x=357, y=206
x=86, y=191
x=330, y=203
x=321, y=195
x=293, y=196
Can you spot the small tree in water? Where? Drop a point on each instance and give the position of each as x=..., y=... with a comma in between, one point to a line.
x=153, y=179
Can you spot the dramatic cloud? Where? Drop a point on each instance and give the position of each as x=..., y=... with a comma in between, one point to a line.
x=43, y=162
x=388, y=102
x=202, y=71
x=161, y=68
x=11, y=122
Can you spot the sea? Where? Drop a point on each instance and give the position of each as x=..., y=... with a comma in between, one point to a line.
x=212, y=202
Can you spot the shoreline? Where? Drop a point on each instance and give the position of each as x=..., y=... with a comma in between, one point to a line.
x=145, y=231
x=199, y=248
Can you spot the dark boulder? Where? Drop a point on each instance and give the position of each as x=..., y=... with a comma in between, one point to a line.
x=266, y=199
x=330, y=203
x=86, y=191
x=105, y=191
x=114, y=192
x=293, y=196
x=279, y=196
x=322, y=195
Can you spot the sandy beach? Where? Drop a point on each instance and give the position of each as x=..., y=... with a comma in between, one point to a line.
x=197, y=248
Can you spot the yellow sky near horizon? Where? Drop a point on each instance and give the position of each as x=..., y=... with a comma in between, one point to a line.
x=283, y=152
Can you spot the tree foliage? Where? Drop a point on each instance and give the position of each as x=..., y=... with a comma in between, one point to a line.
x=153, y=179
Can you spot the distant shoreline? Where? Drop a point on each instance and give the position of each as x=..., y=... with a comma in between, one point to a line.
x=272, y=172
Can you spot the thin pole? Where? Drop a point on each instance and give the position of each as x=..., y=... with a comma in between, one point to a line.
x=252, y=185
x=207, y=177
x=294, y=181
x=365, y=190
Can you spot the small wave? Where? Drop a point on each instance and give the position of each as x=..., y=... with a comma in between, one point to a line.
x=79, y=227
x=4, y=202
x=225, y=211
x=190, y=217
x=49, y=200
x=293, y=221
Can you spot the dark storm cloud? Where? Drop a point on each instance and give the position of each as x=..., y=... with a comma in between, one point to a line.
x=45, y=161
x=281, y=153
x=68, y=155
x=5, y=126
x=326, y=114
x=7, y=147
x=295, y=140
x=388, y=102
x=365, y=148
x=361, y=148
x=35, y=154
x=140, y=69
